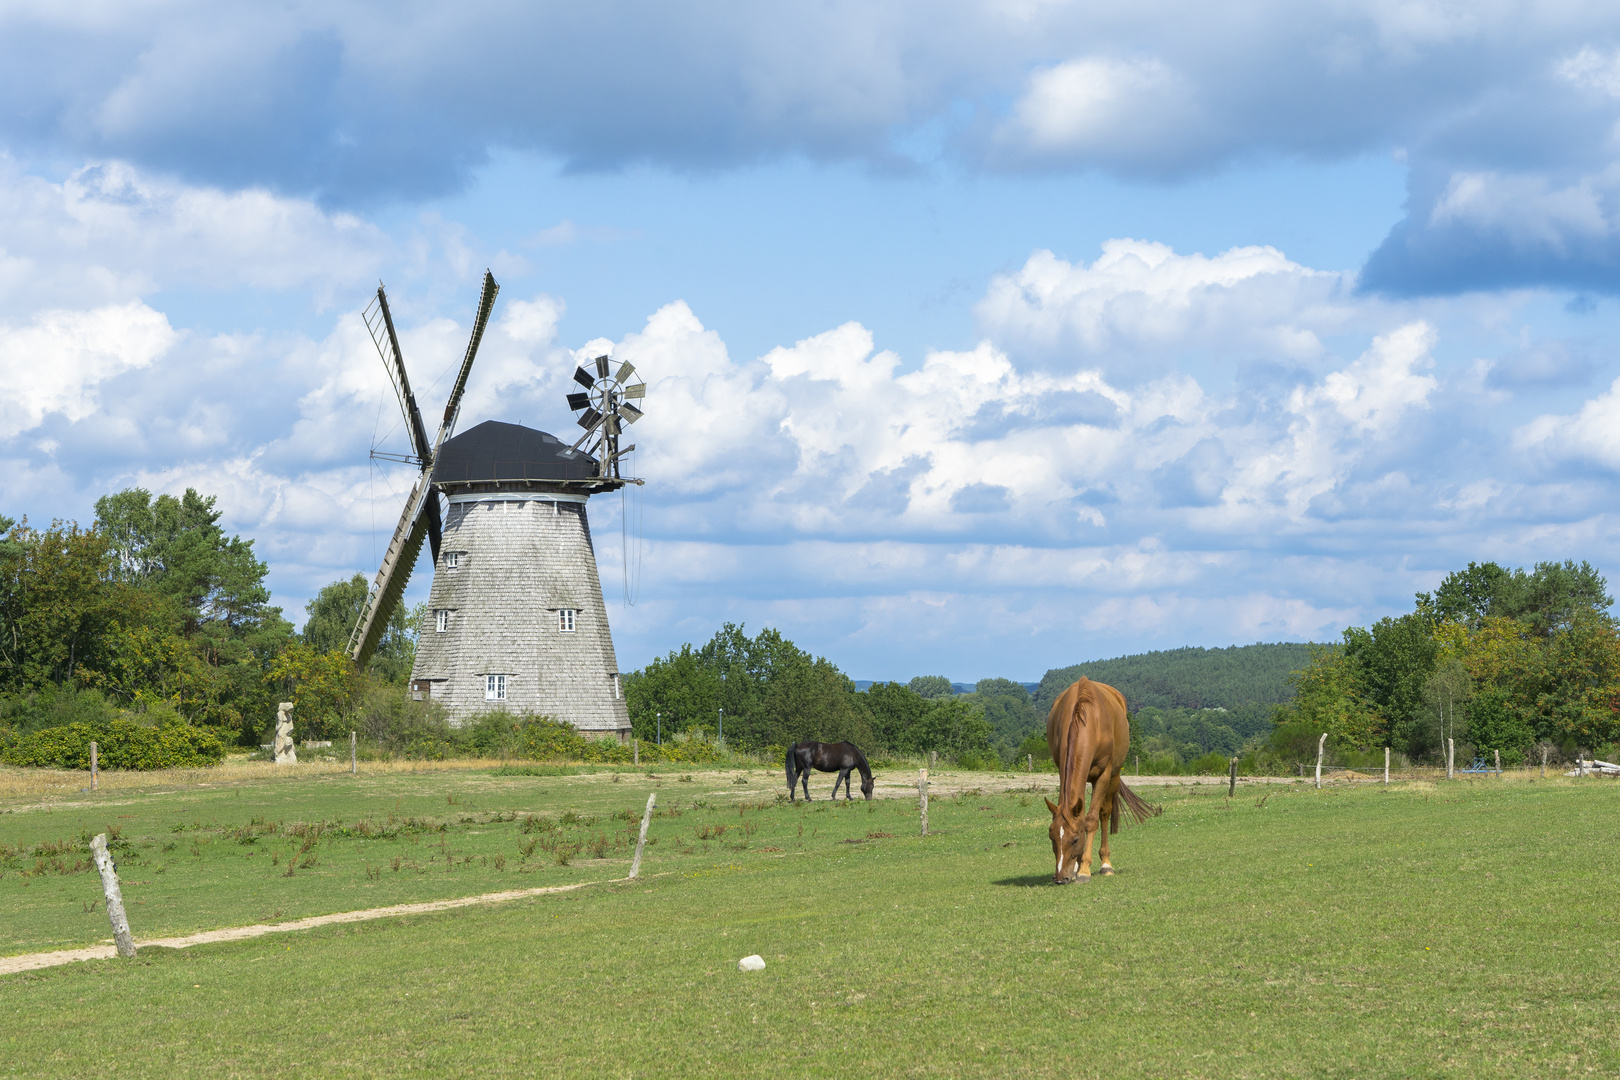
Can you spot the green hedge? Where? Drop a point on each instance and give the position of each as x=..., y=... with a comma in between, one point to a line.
x=120, y=744
x=524, y=736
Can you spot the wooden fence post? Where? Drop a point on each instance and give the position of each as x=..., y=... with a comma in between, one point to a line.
x=1386, y=766
x=1029, y=762
x=1231, y=778
x=922, y=792
x=1451, y=756
x=1321, y=746
x=93, y=765
x=646, y=816
x=1498, y=764
x=354, y=754
x=636, y=752
x=1544, y=763
x=115, y=899
x=933, y=760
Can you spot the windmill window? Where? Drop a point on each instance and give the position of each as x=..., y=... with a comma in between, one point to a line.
x=441, y=620
x=565, y=619
x=494, y=687
x=452, y=559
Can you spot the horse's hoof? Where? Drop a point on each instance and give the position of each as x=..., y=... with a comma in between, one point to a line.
x=1106, y=871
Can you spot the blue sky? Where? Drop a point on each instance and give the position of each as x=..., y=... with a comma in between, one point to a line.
x=980, y=337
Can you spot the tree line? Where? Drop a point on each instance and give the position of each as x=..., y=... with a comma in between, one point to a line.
x=153, y=615
x=1495, y=659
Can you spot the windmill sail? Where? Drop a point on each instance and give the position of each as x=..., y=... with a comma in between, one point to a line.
x=421, y=519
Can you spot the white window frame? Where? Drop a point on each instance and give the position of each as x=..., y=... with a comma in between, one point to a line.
x=494, y=687
x=452, y=559
x=615, y=688
x=441, y=620
x=567, y=619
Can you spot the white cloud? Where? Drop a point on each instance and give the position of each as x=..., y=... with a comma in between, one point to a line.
x=57, y=361
x=1100, y=105
x=112, y=232
x=1591, y=434
x=1143, y=299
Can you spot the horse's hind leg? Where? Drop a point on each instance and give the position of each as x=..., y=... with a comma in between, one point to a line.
x=842, y=778
x=804, y=778
x=1109, y=815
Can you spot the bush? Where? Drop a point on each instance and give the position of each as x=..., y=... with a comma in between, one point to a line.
x=120, y=744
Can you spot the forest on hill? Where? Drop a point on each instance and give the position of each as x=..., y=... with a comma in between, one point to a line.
x=1190, y=678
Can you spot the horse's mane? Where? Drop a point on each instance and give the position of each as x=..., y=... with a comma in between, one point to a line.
x=1084, y=696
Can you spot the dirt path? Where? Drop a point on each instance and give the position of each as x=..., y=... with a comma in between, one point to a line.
x=10, y=965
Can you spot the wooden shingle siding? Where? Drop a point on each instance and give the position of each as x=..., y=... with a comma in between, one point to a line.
x=522, y=557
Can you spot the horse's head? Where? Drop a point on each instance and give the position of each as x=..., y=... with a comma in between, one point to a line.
x=1068, y=835
x=866, y=786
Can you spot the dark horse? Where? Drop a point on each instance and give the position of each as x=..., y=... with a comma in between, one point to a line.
x=838, y=757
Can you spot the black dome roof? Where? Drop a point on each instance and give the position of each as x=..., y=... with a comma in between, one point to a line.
x=493, y=452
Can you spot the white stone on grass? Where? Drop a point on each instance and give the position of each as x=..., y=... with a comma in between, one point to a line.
x=751, y=963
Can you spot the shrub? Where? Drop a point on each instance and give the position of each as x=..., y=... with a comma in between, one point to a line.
x=120, y=744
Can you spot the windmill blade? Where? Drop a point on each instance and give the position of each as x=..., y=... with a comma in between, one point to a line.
x=630, y=413
x=395, y=362
x=637, y=391
x=452, y=408
x=584, y=378
x=589, y=419
x=601, y=367
x=396, y=569
x=578, y=401
x=435, y=524
x=626, y=370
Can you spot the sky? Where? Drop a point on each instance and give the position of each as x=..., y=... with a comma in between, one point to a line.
x=980, y=338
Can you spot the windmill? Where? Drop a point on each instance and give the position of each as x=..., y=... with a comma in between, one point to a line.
x=517, y=618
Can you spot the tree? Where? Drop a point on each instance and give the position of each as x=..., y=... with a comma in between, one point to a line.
x=57, y=604
x=1447, y=692
x=331, y=618
x=1545, y=599
x=904, y=720
x=1389, y=665
x=1009, y=709
x=321, y=686
x=931, y=686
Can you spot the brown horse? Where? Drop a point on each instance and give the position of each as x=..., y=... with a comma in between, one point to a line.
x=1088, y=734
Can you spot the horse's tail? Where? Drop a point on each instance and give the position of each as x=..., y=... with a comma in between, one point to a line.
x=1139, y=808
x=792, y=765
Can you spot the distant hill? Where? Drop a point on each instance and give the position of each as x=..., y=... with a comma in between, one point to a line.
x=1190, y=678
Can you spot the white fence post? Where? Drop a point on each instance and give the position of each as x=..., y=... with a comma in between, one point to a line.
x=646, y=816
x=1451, y=757
x=93, y=765
x=1321, y=745
x=922, y=792
x=115, y=899
x=354, y=755
x=1386, y=766
x=1544, y=763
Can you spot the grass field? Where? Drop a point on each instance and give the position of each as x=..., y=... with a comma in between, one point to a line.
x=1467, y=928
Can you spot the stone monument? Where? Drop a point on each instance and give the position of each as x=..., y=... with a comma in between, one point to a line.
x=285, y=750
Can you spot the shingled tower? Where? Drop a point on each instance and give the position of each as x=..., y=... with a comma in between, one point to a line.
x=516, y=616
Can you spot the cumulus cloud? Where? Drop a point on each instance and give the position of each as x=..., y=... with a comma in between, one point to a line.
x=110, y=231
x=1140, y=304
x=57, y=362
x=1591, y=434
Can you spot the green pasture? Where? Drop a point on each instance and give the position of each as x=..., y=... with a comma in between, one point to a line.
x=1465, y=928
